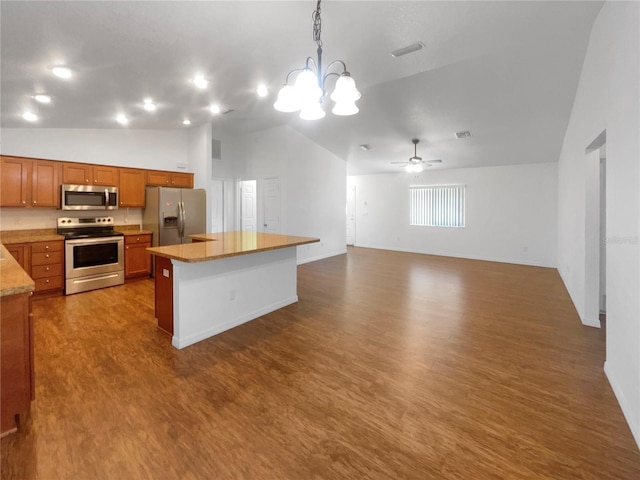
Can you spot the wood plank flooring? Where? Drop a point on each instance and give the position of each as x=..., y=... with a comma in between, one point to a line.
x=391, y=366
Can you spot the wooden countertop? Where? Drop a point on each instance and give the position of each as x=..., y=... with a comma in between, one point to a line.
x=13, y=279
x=214, y=246
x=10, y=237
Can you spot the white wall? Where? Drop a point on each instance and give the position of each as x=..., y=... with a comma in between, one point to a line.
x=151, y=149
x=608, y=99
x=510, y=214
x=313, y=185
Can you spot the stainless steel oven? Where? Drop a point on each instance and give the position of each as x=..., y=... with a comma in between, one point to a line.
x=94, y=254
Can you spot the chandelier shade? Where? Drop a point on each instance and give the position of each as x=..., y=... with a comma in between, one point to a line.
x=308, y=93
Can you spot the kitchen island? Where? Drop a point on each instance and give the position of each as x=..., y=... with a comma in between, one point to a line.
x=223, y=280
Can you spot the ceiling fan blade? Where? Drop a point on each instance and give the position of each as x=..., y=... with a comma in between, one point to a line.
x=399, y=163
x=432, y=161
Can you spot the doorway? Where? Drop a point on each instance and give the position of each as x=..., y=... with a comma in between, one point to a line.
x=595, y=232
x=351, y=215
x=217, y=206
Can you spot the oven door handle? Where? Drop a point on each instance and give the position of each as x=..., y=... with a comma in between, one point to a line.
x=85, y=241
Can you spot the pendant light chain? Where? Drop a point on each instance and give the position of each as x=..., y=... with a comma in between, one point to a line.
x=317, y=25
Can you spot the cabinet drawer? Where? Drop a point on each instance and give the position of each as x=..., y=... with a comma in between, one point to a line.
x=44, y=247
x=45, y=258
x=143, y=238
x=49, y=283
x=45, y=271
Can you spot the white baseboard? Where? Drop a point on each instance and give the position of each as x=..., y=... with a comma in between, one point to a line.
x=590, y=322
x=622, y=401
x=210, y=332
x=302, y=261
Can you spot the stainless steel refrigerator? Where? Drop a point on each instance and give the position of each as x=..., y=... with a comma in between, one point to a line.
x=172, y=214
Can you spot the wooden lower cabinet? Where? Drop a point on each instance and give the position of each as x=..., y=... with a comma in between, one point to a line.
x=164, y=293
x=16, y=365
x=47, y=266
x=137, y=262
x=44, y=262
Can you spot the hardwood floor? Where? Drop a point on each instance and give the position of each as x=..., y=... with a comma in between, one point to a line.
x=391, y=366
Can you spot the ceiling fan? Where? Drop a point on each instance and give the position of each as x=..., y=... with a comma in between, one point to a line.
x=415, y=163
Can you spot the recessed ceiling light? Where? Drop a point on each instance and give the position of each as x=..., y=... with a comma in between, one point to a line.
x=149, y=106
x=122, y=119
x=61, y=71
x=186, y=121
x=30, y=116
x=262, y=90
x=406, y=50
x=42, y=98
x=215, y=109
x=200, y=82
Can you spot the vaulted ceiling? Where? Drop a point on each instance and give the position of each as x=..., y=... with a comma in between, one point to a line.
x=506, y=71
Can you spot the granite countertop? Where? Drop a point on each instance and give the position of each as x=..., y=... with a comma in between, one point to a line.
x=214, y=246
x=131, y=230
x=10, y=237
x=13, y=279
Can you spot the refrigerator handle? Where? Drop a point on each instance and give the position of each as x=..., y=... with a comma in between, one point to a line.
x=180, y=219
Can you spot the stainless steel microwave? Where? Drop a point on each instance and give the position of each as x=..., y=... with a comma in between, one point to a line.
x=88, y=197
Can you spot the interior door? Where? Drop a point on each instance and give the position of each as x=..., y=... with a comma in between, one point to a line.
x=351, y=215
x=195, y=212
x=248, y=215
x=272, y=205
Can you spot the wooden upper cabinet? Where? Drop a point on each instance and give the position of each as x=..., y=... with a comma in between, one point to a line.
x=77, y=173
x=29, y=183
x=45, y=186
x=105, y=175
x=184, y=180
x=132, y=187
x=158, y=178
x=85, y=174
x=169, y=179
x=15, y=181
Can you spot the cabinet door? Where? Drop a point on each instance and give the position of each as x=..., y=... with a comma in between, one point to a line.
x=184, y=180
x=21, y=253
x=137, y=262
x=45, y=186
x=76, y=173
x=105, y=175
x=15, y=181
x=16, y=359
x=158, y=178
x=132, y=184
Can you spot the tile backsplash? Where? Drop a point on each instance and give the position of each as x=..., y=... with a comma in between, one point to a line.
x=31, y=218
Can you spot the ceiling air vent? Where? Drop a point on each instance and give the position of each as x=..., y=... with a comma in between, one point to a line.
x=464, y=134
x=366, y=147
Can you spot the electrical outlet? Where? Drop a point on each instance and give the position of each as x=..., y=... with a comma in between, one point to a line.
x=165, y=272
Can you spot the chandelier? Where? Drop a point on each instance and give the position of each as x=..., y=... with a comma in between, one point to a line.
x=308, y=92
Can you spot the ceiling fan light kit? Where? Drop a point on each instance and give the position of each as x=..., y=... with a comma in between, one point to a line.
x=416, y=164
x=307, y=94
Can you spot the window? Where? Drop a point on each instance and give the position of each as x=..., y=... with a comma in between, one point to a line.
x=437, y=205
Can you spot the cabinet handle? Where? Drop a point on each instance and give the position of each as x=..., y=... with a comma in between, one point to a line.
x=138, y=239
x=86, y=180
x=127, y=248
x=46, y=281
x=47, y=256
x=34, y=201
x=24, y=202
x=46, y=269
x=95, y=181
x=46, y=247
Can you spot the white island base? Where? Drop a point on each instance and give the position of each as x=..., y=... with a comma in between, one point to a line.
x=211, y=297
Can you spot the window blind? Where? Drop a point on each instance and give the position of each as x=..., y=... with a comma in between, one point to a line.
x=437, y=206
